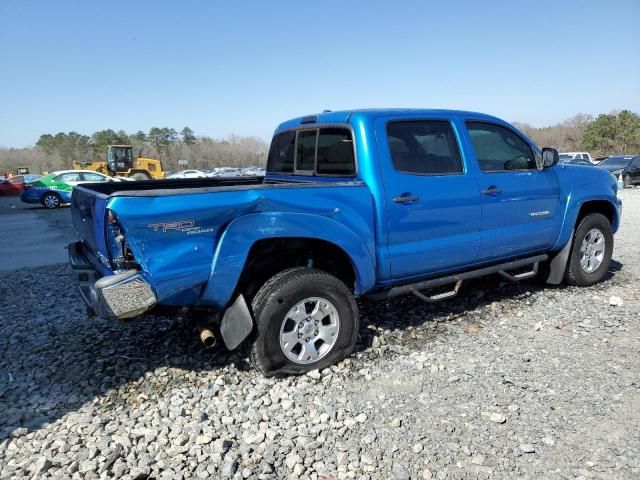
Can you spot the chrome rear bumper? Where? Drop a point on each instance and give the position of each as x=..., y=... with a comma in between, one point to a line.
x=122, y=295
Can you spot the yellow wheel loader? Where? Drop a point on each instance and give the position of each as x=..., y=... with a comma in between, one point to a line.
x=122, y=163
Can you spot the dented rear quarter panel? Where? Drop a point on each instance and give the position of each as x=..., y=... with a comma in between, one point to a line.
x=193, y=247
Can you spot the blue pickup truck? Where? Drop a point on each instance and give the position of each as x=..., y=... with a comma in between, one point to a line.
x=374, y=203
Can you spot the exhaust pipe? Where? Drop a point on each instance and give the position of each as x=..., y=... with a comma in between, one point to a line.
x=207, y=338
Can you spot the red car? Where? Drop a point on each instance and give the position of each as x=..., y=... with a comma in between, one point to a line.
x=12, y=186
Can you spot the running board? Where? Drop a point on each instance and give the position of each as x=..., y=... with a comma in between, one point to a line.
x=520, y=276
x=457, y=279
x=439, y=296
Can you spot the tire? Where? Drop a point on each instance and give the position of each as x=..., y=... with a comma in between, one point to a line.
x=581, y=272
x=626, y=180
x=276, y=332
x=51, y=200
x=140, y=176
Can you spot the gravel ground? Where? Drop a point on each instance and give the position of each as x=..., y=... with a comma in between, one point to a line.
x=507, y=380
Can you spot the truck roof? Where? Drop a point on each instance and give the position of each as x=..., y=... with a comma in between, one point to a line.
x=343, y=116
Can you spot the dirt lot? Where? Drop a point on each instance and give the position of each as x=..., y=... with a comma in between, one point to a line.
x=505, y=381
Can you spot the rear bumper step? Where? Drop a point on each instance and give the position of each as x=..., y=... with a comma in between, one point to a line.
x=123, y=295
x=458, y=278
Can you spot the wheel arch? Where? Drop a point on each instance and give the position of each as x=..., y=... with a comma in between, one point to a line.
x=559, y=259
x=248, y=241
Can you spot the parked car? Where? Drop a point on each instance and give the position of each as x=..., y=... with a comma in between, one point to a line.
x=227, y=172
x=188, y=174
x=569, y=160
x=12, y=186
x=54, y=190
x=374, y=202
x=253, y=172
x=626, y=165
x=577, y=156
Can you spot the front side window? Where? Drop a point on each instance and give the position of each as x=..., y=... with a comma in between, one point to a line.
x=93, y=177
x=498, y=149
x=424, y=147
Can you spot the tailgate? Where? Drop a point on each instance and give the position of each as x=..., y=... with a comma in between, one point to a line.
x=88, y=214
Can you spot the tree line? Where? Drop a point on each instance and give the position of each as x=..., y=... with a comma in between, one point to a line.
x=59, y=151
x=606, y=134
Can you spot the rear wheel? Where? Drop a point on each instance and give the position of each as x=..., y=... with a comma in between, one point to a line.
x=140, y=176
x=51, y=200
x=305, y=319
x=626, y=180
x=591, y=251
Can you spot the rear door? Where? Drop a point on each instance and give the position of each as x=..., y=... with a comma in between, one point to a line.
x=634, y=170
x=519, y=202
x=433, y=202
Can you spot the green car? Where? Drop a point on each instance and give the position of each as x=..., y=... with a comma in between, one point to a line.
x=55, y=189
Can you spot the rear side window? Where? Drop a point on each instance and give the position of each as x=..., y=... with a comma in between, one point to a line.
x=67, y=177
x=424, y=147
x=281, y=153
x=318, y=151
x=498, y=149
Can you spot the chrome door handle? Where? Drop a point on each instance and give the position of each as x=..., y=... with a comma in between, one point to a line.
x=406, y=199
x=491, y=190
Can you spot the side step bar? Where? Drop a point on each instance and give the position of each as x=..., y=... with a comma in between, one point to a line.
x=458, y=278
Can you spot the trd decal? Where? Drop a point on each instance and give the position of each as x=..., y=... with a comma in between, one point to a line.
x=179, y=226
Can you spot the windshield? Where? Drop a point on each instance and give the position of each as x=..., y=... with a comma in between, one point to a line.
x=120, y=158
x=617, y=162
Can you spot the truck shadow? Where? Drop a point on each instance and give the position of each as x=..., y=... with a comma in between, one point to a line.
x=55, y=360
x=407, y=322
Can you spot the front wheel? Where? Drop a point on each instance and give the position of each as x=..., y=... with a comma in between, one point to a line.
x=591, y=251
x=626, y=180
x=51, y=200
x=306, y=319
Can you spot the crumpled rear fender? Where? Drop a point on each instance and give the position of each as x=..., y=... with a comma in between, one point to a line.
x=236, y=241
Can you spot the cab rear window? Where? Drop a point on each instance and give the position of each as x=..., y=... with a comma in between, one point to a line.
x=325, y=151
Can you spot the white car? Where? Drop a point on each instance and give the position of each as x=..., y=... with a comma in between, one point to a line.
x=76, y=177
x=566, y=156
x=188, y=174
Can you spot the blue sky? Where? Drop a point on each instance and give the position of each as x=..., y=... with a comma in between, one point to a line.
x=242, y=67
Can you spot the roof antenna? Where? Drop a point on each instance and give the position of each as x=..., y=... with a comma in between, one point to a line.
x=326, y=111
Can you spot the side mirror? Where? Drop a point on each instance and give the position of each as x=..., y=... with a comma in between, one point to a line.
x=550, y=157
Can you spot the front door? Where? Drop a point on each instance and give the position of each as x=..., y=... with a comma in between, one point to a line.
x=519, y=202
x=433, y=203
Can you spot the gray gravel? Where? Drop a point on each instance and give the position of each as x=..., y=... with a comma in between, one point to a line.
x=505, y=381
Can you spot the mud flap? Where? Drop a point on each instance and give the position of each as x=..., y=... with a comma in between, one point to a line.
x=558, y=264
x=237, y=323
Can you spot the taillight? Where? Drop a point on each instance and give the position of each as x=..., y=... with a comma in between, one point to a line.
x=111, y=217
